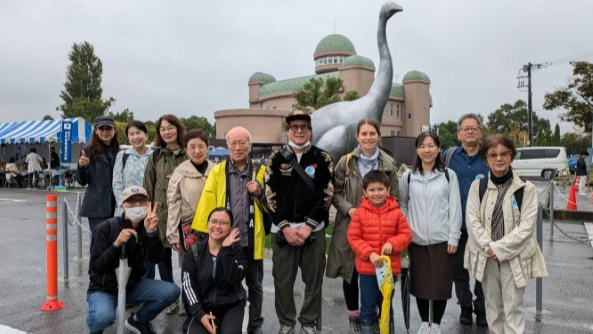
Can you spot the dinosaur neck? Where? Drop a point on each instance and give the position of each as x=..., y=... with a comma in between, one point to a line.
x=379, y=91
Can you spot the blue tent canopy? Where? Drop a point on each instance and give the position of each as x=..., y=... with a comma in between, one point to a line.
x=30, y=132
x=218, y=152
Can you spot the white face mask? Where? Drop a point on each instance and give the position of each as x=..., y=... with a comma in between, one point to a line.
x=136, y=214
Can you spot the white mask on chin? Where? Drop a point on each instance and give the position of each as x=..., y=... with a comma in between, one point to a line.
x=136, y=214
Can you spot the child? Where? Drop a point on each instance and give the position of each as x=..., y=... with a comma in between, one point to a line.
x=378, y=227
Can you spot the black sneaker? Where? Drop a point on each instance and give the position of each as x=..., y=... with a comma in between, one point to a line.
x=138, y=327
x=466, y=317
x=481, y=319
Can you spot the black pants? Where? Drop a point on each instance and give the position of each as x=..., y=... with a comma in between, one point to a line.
x=253, y=279
x=461, y=279
x=166, y=266
x=230, y=322
x=351, y=292
x=438, y=309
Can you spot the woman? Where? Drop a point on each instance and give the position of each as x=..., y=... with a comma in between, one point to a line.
x=33, y=161
x=12, y=171
x=131, y=163
x=184, y=191
x=213, y=271
x=502, y=252
x=347, y=197
x=168, y=154
x=95, y=168
x=429, y=197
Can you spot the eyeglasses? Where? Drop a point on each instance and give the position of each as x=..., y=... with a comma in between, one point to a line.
x=468, y=129
x=241, y=143
x=168, y=128
x=502, y=155
x=222, y=223
x=105, y=128
x=295, y=128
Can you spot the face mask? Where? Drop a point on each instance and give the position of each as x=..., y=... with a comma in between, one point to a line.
x=136, y=214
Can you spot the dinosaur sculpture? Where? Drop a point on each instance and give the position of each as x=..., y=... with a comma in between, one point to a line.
x=334, y=126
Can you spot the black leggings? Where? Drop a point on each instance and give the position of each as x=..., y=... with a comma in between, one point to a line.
x=351, y=292
x=166, y=266
x=230, y=322
x=438, y=309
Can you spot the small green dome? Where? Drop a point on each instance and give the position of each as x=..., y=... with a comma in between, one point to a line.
x=397, y=90
x=416, y=75
x=359, y=60
x=335, y=43
x=261, y=77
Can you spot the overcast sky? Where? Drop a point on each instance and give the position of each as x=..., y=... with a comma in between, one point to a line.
x=190, y=57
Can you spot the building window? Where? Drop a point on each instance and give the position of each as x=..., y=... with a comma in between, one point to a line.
x=398, y=110
x=409, y=116
x=392, y=133
x=391, y=109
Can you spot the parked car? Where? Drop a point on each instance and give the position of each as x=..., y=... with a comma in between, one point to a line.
x=540, y=161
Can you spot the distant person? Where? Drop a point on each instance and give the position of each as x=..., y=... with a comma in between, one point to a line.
x=429, y=197
x=33, y=161
x=54, y=164
x=13, y=170
x=95, y=169
x=213, y=271
x=137, y=231
x=169, y=153
x=378, y=227
x=467, y=164
x=502, y=252
x=581, y=172
x=349, y=174
x=130, y=164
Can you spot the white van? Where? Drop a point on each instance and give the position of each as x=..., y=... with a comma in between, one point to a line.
x=540, y=161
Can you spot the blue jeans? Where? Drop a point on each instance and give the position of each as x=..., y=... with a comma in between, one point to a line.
x=371, y=298
x=156, y=296
x=150, y=269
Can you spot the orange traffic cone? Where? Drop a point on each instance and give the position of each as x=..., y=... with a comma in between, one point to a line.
x=572, y=199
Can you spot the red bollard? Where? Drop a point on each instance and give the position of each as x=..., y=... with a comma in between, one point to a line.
x=51, y=213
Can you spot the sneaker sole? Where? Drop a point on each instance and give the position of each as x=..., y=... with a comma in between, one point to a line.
x=131, y=328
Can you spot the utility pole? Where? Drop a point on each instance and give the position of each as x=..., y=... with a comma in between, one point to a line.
x=527, y=69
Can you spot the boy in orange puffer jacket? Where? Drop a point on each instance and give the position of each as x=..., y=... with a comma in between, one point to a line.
x=378, y=227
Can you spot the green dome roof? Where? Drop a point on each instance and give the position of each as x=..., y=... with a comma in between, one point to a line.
x=335, y=43
x=261, y=77
x=397, y=90
x=290, y=85
x=359, y=60
x=416, y=75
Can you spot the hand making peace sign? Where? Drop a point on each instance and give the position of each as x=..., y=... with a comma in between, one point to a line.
x=151, y=221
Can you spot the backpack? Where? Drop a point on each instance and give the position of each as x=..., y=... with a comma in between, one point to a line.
x=518, y=193
x=114, y=224
x=155, y=155
x=445, y=171
x=450, y=152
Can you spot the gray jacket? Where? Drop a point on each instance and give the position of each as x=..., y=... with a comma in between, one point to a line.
x=432, y=206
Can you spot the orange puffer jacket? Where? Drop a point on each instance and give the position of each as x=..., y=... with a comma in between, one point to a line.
x=372, y=227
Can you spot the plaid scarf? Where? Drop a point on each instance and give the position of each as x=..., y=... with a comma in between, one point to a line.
x=497, y=215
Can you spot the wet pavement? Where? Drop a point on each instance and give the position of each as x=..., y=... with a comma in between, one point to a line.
x=567, y=293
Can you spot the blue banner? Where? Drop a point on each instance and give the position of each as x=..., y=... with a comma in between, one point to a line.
x=66, y=154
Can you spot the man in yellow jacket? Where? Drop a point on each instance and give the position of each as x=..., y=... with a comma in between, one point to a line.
x=237, y=185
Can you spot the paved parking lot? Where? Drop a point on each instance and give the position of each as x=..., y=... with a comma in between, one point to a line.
x=566, y=298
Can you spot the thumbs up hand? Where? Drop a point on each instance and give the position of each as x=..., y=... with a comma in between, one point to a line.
x=83, y=161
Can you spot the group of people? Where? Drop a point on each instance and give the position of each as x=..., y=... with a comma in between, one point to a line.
x=457, y=212
x=32, y=168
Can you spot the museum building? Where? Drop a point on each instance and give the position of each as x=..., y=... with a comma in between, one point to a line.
x=407, y=111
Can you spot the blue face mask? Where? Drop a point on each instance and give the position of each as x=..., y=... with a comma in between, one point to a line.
x=136, y=214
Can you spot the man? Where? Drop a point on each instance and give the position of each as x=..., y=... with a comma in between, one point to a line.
x=33, y=161
x=468, y=166
x=299, y=191
x=236, y=185
x=54, y=164
x=581, y=172
x=137, y=234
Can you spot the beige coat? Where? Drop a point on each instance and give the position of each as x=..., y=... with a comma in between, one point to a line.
x=183, y=194
x=518, y=246
x=347, y=195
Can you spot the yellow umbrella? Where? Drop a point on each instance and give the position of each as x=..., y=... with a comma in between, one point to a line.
x=386, y=285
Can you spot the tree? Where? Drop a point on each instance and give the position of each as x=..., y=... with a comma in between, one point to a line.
x=351, y=95
x=195, y=122
x=48, y=118
x=126, y=116
x=576, y=97
x=82, y=94
x=556, y=136
x=575, y=142
x=512, y=121
x=318, y=93
x=447, y=133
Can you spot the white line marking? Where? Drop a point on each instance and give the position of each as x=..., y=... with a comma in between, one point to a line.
x=8, y=330
x=589, y=228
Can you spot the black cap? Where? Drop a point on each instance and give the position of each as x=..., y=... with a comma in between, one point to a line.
x=298, y=115
x=104, y=121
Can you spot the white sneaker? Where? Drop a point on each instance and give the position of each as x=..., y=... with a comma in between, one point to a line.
x=424, y=329
x=435, y=329
x=583, y=194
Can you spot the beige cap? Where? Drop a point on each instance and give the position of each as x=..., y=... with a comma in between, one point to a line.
x=133, y=190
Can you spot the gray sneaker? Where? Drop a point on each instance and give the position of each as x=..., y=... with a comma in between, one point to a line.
x=286, y=329
x=171, y=309
x=308, y=330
